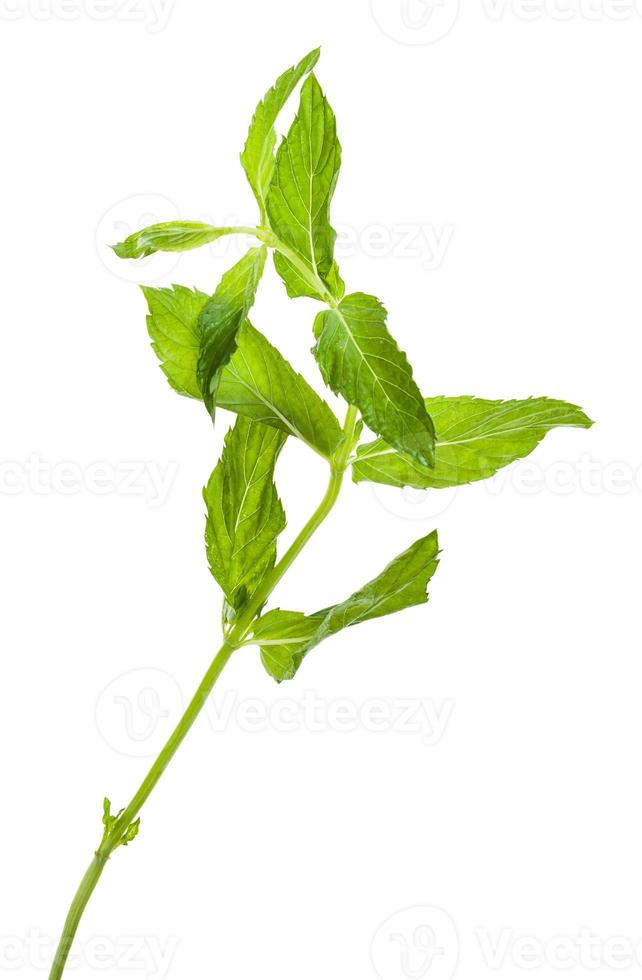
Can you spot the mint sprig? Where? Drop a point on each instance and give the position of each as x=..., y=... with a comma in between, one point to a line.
x=210, y=352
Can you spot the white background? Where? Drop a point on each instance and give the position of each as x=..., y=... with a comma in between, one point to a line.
x=491, y=195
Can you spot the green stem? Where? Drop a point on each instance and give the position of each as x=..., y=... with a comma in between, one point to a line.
x=112, y=840
x=238, y=230
x=78, y=906
x=269, y=583
x=234, y=640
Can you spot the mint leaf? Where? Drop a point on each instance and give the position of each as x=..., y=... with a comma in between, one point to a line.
x=221, y=318
x=296, y=284
x=298, y=202
x=282, y=637
x=402, y=584
x=257, y=157
x=170, y=236
x=286, y=637
x=361, y=361
x=244, y=513
x=259, y=382
x=475, y=438
x=173, y=327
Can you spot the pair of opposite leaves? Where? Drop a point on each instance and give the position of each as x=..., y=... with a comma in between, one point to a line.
x=208, y=349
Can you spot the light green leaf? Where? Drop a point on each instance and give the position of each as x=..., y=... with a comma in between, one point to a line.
x=170, y=236
x=108, y=820
x=361, y=361
x=296, y=284
x=303, y=182
x=260, y=383
x=283, y=637
x=475, y=438
x=286, y=637
x=244, y=513
x=257, y=157
x=221, y=318
x=174, y=331
x=131, y=833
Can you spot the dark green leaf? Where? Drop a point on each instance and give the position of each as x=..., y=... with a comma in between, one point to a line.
x=360, y=360
x=286, y=637
x=257, y=157
x=257, y=381
x=244, y=513
x=171, y=236
x=475, y=438
x=303, y=182
x=260, y=383
x=221, y=318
